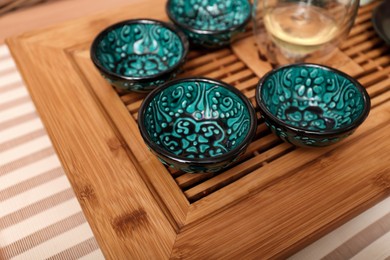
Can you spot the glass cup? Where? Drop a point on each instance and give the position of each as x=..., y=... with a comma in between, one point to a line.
x=293, y=31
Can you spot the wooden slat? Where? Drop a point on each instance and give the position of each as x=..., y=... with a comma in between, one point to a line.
x=371, y=54
x=363, y=47
x=375, y=76
x=133, y=106
x=189, y=179
x=360, y=28
x=204, y=59
x=237, y=172
x=210, y=66
x=367, y=8
x=241, y=75
x=379, y=88
x=381, y=99
x=358, y=39
x=250, y=93
x=377, y=63
x=195, y=53
x=247, y=84
x=261, y=144
x=363, y=17
x=131, y=97
x=226, y=70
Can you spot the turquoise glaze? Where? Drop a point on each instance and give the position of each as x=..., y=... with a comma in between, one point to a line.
x=311, y=105
x=139, y=54
x=210, y=23
x=197, y=124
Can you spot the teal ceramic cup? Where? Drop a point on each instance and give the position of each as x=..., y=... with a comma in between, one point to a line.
x=197, y=124
x=210, y=23
x=311, y=105
x=139, y=55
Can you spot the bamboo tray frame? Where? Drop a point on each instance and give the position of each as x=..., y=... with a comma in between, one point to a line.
x=275, y=200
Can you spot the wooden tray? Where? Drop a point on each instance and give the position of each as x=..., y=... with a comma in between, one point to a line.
x=271, y=203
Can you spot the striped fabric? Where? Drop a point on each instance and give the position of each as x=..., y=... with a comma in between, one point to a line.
x=40, y=217
x=366, y=237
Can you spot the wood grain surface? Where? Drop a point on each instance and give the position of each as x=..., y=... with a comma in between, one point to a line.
x=272, y=202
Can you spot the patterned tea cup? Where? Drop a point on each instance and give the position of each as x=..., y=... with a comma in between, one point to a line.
x=139, y=54
x=311, y=105
x=197, y=124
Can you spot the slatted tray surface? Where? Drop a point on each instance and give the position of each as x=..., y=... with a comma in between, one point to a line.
x=273, y=201
x=363, y=47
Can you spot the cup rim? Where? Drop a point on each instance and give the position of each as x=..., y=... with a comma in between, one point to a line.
x=183, y=39
x=313, y=133
x=200, y=161
x=208, y=32
x=378, y=26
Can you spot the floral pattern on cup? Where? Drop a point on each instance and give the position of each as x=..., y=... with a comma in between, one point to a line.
x=197, y=124
x=311, y=105
x=197, y=120
x=139, y=55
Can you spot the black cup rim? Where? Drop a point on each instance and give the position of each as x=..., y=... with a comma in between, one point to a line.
x=326, y=133
x=199, y=161
x=146, y=78
x=376, y=20
x=208, y=32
